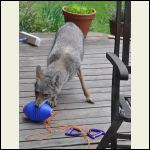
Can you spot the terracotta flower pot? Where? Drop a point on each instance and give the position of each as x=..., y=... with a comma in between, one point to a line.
x=83, y=21
x=113, y=27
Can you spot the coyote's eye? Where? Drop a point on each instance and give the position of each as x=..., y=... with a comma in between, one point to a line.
x=45, y=95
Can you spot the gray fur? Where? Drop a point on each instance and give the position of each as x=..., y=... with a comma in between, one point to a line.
x=63, y=61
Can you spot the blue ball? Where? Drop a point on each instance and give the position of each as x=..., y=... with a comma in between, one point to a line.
x=37, y=113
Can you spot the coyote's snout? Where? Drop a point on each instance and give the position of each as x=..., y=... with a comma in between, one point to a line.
x=63, y=62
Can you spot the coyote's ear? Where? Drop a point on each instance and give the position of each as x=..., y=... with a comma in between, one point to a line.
x=57, y=79
x=39, y=72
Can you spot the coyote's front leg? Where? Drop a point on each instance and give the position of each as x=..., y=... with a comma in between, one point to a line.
x=52, y=102
x=84, y=87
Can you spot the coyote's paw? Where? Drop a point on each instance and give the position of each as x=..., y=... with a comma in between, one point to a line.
x=90, y=100
x=52, y=103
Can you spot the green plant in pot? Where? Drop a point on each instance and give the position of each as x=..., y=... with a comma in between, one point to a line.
x=81, y=16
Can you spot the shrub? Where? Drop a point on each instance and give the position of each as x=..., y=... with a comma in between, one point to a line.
x=50, y=17
x=27, y=16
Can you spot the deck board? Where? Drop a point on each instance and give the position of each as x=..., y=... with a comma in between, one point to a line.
x=72, y=108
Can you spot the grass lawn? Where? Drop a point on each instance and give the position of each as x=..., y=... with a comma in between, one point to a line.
x=100, y=23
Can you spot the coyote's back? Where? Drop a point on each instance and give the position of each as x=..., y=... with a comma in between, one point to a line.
x=68, y=48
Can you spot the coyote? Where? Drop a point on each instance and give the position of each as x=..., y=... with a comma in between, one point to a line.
x=63, y=62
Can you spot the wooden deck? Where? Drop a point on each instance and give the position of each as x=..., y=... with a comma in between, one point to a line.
x=72, y=108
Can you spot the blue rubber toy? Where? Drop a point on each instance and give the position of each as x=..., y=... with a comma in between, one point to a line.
x=37, y=113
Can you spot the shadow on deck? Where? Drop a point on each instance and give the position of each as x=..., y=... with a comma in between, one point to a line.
x=72, y=108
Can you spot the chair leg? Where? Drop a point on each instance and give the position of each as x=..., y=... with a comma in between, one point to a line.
x=114, y=142
x=110, y=135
